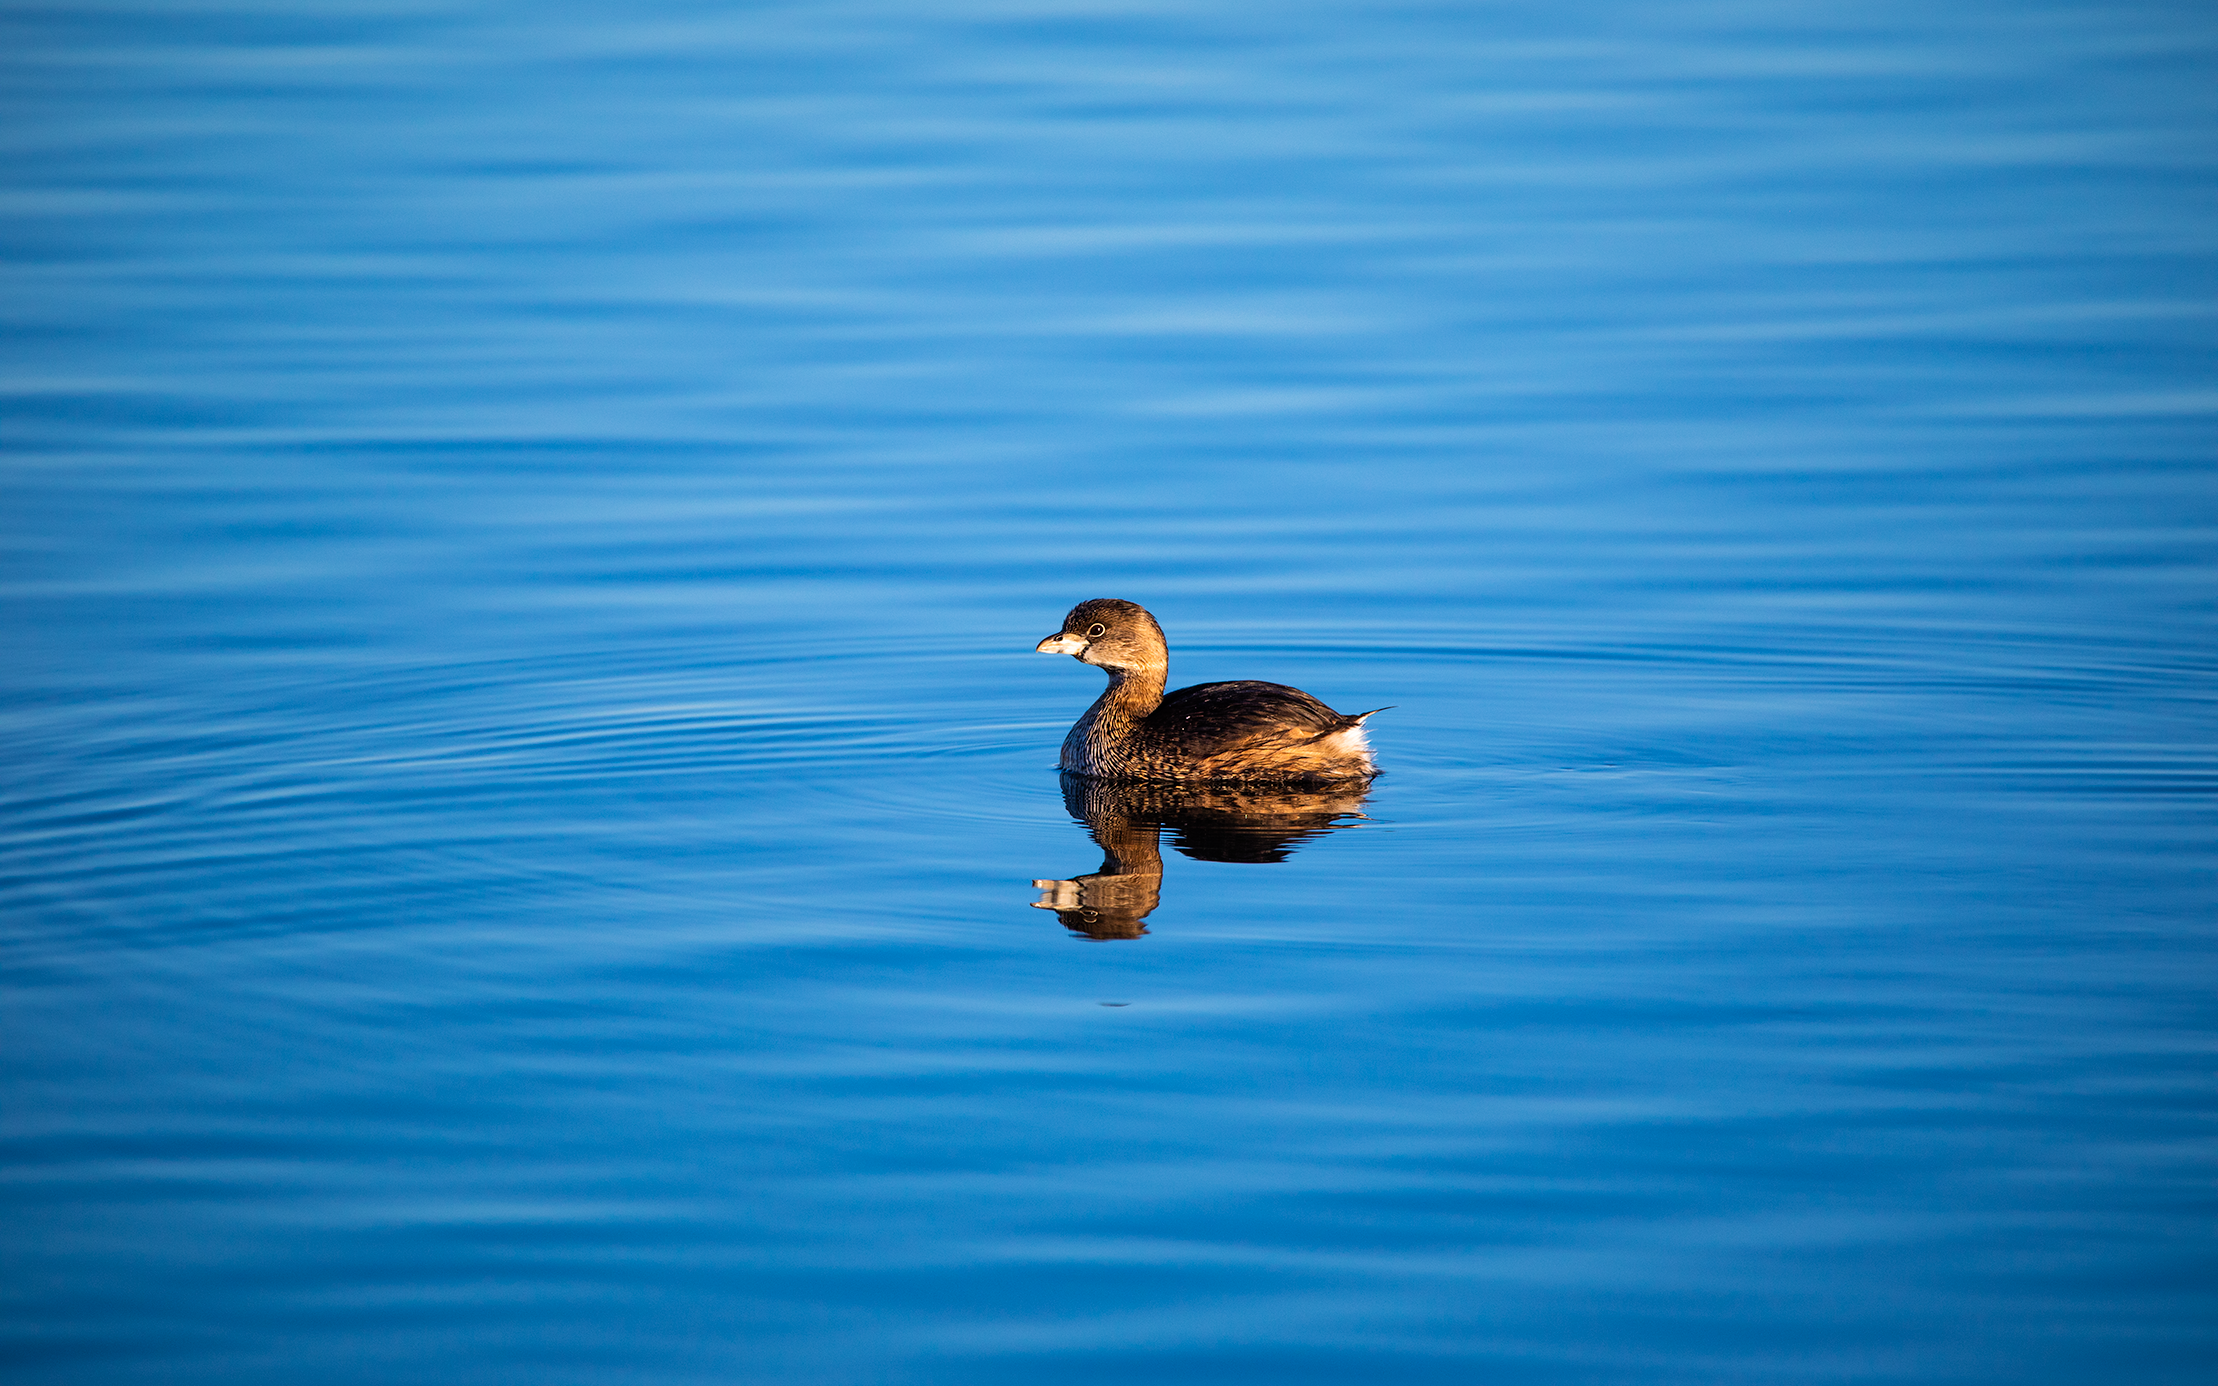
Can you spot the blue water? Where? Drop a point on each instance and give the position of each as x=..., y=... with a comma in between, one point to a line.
x=524, y=532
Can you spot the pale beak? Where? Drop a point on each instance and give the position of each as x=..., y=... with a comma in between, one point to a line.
x=1061, y=644
x=1061, y=895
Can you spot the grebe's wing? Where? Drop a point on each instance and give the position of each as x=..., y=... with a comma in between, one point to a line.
x=1230, y=713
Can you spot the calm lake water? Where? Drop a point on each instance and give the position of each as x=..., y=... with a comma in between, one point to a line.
x=525, y=530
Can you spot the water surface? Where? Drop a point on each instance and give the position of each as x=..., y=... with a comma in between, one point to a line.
x=526, y=774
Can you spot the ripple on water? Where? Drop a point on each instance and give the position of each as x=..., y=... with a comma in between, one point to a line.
x=404, y=777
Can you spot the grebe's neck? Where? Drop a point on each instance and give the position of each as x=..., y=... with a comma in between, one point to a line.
x=1134, y=691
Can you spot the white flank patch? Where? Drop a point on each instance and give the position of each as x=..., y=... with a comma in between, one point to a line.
x=1352, y=741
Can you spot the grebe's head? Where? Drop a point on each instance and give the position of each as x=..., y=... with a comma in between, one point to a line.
x=1109, y=634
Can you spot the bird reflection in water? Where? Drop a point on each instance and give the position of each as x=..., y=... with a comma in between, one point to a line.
x=1208, y=822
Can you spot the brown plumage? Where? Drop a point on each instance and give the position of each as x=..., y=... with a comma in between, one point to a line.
x=1244, y=732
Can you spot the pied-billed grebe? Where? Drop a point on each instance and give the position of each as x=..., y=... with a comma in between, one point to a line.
x=1225, y=732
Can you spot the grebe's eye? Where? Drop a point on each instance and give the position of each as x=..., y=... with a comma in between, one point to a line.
x=1096, y=629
